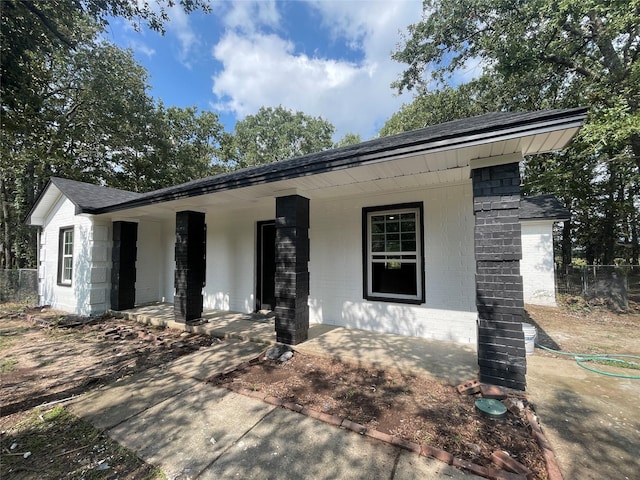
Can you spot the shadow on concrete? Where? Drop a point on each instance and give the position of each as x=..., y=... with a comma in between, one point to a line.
x=543, y=337
x=591, y=420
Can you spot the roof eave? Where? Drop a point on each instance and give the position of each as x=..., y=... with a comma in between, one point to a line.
x=565, y=121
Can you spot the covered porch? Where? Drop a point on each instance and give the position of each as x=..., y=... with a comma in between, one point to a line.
x=440, y=360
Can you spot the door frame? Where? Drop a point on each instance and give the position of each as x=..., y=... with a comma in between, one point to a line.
x=259, y=262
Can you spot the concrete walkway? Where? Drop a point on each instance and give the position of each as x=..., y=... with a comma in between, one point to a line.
x=592, y=420
x=194, y=430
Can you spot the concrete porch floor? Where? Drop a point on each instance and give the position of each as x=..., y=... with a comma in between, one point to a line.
x=445, y=361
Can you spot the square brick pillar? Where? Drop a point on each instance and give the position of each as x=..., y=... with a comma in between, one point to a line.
x=499, y=295
x=190, y=270
x=292, y=270
x=124, y=254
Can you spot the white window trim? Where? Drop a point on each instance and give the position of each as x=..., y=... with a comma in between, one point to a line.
x=62, y=279
x=370, y=212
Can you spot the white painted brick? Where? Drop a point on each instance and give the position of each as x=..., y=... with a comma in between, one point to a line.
x=537, y=264
x=98, y=275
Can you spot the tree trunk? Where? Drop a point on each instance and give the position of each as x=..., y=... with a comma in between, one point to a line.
x=6, y=259
x=565, y=246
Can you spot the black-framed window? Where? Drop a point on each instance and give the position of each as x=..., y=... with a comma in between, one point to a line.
x=65, y=256
x=393, y=256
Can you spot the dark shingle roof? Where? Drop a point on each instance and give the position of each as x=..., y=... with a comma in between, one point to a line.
x=88, y=197
x=457, y=132
x=543, y=207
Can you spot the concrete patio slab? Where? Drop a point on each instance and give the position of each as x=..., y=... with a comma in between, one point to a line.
x=445, y=361
x=254, y=327
x=109, y=406
x=185, y=434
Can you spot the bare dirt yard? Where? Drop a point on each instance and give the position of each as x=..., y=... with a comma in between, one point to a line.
x=46, y=356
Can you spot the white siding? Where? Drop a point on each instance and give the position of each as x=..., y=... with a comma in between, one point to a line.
x=336, y=295
x=537, y=265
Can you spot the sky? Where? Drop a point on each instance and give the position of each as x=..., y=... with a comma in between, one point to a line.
x=327, y=58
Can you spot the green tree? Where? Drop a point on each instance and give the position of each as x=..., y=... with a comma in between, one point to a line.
x=69, y=106
x=176, y=145
x=433, y=108
x=275, y=134
x=348, y=139
x=32, y=30
x=536, y=54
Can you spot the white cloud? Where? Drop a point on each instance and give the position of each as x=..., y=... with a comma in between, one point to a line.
x=247, y=16
x=142, y=48
x=260, y=69
x=179, y=26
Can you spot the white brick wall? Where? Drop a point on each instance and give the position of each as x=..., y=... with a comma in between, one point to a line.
x=335, y=266
x=149, y=269
x=537, y=265
x=88, y=291
x=336, y=295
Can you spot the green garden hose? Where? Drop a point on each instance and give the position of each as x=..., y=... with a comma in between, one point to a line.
x=581, y=358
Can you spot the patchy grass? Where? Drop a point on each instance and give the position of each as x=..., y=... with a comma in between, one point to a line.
x=52, y=444
x=7, y=365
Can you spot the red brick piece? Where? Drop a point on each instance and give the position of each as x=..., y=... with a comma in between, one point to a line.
x=469, y=388
x=407, y=445
x=271, y=400
x=471, y=467
x=384, y=437
x=429, y=451
x=353, y=426
x=325, y=417
x=293, y=406
x=492, y=391
x=503, y=460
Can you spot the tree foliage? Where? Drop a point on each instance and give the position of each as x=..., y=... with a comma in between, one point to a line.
x=84, y=113
x=435, y=107
x=535, y=54
x=275, y=134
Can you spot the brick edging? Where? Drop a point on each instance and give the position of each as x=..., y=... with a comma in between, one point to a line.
x=421, y=449
x=553, y=468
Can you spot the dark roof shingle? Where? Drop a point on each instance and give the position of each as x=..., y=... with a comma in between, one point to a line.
x=543, y=207
x=88, y=197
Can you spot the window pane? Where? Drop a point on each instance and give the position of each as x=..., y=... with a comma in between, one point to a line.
x=408, y=226
x=67, y=268
x=377, y=219
x=377, y=228
x=394, y=278
x=393, y=226
x=377, y=246
x=68, y=242
x=393, y=242
x=409, y=246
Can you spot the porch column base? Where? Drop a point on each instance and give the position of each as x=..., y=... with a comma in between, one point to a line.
x=292, y=271
x=123, y=265
x=190, y=265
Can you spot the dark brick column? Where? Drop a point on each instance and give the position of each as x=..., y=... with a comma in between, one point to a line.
x=123, y=265
x=190, y=265
x=292, y=270
x=499, y=297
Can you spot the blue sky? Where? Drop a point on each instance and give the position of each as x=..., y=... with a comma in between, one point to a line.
x=326, y=58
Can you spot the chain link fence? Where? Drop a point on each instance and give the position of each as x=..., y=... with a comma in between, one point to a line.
x=19, y=286
x=616, y=284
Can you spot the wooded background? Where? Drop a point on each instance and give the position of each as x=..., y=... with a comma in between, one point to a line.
x=76, y=106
